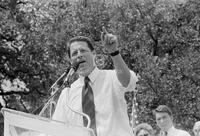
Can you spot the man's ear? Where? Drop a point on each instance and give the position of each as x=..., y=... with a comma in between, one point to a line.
x=95, y=57
x=70, y=61
x=172, y=118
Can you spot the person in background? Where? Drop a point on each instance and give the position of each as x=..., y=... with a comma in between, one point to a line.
x=164, y=120
x=143, y=129
x=196, y=128
x=97, y=93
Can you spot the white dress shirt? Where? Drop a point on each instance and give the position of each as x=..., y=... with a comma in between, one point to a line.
x=110, y=106
x=177, y=132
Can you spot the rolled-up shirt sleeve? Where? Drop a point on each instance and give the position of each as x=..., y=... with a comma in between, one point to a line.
x=132, y=83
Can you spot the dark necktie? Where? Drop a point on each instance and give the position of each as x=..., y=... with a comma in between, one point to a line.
x=88, y=104
x=164, y=133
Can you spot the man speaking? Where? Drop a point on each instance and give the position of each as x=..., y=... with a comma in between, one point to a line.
x=97, y=93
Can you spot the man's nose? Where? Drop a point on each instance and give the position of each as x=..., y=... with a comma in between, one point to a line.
x=79, y=53
x=161, y=120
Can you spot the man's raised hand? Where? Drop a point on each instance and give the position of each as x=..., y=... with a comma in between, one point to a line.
x=109, y=40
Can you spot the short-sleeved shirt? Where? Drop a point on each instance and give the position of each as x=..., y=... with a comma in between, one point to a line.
x=110, y=106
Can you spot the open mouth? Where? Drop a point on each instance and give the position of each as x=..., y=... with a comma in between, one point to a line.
x=81, y=64
x=82, y=61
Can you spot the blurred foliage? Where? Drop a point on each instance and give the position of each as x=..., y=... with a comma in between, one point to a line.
x=159, y=40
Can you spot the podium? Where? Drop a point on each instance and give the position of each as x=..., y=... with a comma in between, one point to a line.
x=17, y=123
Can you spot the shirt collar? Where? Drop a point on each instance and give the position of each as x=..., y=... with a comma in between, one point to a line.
x=92, y=76
x=171, y=130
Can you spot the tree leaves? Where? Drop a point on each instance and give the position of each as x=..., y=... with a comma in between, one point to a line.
x=159, y=40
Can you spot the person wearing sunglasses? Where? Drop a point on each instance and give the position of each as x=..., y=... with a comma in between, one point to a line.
x=196, y=128
x=143, y=129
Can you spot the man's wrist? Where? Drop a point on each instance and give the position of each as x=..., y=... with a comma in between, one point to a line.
x=115, y=53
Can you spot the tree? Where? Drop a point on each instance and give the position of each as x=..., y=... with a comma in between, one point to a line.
x=159, y=40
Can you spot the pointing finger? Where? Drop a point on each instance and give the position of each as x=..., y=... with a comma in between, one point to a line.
x=104, y=30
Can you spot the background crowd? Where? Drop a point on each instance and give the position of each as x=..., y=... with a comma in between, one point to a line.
x=164, y=119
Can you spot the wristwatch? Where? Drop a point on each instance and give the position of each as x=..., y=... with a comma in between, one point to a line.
x=115, y=53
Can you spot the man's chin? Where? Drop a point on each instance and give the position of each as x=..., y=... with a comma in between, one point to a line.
x=82, y=72
x=164, y=128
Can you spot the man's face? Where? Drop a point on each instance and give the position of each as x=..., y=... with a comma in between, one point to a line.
x=143, y=132
x=80, y=52
x=164, y=120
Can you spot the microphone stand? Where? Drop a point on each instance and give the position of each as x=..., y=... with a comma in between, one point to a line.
x=44, y=105
x=50, y=99
x=65, y=83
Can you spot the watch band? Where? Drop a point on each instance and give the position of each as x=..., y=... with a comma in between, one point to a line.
x=115, y=53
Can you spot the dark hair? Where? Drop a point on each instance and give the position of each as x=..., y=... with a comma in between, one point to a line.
x=143, y=126
x=163, y=109
x=80, y=39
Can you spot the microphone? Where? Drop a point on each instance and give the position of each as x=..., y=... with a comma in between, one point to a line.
x=68, y=73
x=73, y=69
x=62, y=80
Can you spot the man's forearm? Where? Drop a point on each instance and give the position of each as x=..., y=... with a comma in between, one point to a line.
x=122, y=70
x=111, y=44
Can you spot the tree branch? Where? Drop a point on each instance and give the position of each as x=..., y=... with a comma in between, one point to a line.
x=3, y=7
x=155, y=40
x=22, y=103
x=40, y=93
x=13, y=92
x=154, y=90
x=190, y=79
x=7, y=38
